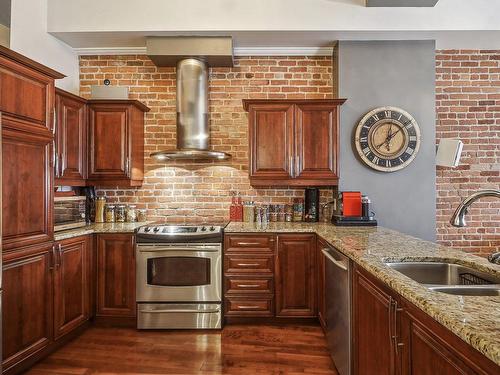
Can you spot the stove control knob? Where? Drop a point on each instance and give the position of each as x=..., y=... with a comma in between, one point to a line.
x=156, y=229
x=203, y=229
x=212, y=229
x=147, y=229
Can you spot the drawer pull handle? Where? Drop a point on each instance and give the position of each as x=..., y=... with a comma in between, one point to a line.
x=248, y=264
x=248, y=285
x=248, y=243
x=247, y=307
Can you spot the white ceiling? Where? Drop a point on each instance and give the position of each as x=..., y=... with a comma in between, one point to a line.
x=124, y=24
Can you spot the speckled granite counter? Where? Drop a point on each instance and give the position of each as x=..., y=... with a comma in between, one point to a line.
x=99, y=228
x=474, y=319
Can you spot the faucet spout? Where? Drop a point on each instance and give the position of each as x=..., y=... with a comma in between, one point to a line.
x=458, y=217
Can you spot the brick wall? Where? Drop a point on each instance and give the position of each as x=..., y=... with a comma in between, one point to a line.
x=468, y=108
x=202, y=190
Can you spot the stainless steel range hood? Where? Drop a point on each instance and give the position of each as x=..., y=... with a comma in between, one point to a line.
x=193, y=133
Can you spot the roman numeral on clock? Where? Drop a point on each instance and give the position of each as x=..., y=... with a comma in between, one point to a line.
x=375, y=160
x=375, y=117
x=388, y=114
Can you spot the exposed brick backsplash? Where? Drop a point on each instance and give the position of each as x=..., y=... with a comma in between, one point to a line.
x=202, y=190
x=468, y=108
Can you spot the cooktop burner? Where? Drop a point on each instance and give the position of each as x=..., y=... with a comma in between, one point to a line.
x=179, y=233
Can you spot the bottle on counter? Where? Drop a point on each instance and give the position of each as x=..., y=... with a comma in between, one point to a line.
x=233, y=209
x=239, y=208
x=298, y=209
x=249, y=212
x=100, y=203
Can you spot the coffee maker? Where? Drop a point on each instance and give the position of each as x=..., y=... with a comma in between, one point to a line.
x=353, y=209
x=311, y=205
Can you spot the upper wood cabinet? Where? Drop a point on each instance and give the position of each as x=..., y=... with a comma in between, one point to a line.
x=71, y=140
x=116, y=142
x=293, y=142
x=27, y=107
x=295, y=275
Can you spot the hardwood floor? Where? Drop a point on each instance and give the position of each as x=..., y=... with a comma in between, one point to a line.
x=238, y=349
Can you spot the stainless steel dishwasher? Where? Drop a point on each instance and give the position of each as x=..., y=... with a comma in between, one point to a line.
x=338, y=308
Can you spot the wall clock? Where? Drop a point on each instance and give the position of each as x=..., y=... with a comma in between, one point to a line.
x=387, y=139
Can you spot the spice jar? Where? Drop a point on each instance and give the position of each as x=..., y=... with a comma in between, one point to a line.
x=249, y=212
x=120, y=213
x=288, y=213
x=273, y=213
x=99, y=209
x=141, y=214
x=131, y=214
x=298, y=209
x=110, y=213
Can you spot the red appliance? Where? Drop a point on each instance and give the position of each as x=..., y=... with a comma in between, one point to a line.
x=351, y=201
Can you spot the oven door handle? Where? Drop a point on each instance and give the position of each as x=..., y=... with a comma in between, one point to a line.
x=180, y=311
x=151, y=249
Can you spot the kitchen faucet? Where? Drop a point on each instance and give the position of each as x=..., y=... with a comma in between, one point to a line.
x=458, y=217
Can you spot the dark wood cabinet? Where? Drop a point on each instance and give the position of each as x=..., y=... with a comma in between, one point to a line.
x=249, y=275
x=320, y=282
x=71, y=140
x=71, y=285
x=293, y=142
x=116, y=275
x=27, y=105
x=116, y=142
x=295, y=275
x=27, y=303
x=373, y=327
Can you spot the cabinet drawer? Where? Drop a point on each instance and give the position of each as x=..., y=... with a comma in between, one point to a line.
x=249, y=306
x=241, y=285
x=248, y=263
x=238, y=243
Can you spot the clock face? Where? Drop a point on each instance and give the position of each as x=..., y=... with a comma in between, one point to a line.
x=387, y=139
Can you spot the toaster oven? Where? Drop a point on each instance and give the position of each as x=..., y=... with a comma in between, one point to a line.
x=69, y=212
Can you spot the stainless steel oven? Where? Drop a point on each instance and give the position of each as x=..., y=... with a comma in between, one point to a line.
x=179, y=277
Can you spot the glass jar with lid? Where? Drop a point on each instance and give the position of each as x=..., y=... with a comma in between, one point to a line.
x=141, y=214
x=120, y=213
x=110, y=213
x=131, y=213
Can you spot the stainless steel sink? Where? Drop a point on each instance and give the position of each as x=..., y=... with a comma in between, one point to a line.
x=440, y=273
x=487, y=290
x=450, y=278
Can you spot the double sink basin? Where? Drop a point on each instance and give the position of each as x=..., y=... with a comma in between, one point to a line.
x=450, y=278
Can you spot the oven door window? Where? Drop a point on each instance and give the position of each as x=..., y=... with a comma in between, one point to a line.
x=178, y=271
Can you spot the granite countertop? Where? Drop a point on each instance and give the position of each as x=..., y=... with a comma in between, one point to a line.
x=99, y=228
x=474, y=319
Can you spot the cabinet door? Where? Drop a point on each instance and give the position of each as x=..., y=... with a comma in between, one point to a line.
x=316, y=143
x=71, y=140
x=271, y=141
x=109, y=148
x=320, y=282
x=71, y=285
x=295, y=276
x=26, y=186
x=429, y=348
x=27, y=305
x=373, y=327
x=116, y=275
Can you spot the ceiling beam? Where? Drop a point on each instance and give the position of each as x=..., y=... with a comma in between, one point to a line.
x=401, y=3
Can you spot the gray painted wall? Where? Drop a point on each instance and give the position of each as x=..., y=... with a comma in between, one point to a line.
x=401, y=3
x=5, y=12
x=400, y=74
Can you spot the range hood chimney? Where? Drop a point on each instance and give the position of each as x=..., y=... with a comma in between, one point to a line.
x=191, y=56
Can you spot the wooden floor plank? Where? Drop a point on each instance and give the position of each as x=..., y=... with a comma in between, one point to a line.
x=237, y=349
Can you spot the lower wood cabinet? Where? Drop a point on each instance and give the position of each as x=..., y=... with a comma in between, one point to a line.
x=116, y=275
x=295, y=275
x=393, y=336
x=71, y=285
x=269, y=275
x=27, y=304
x=46, y=295
x=373, y=327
